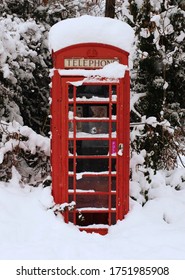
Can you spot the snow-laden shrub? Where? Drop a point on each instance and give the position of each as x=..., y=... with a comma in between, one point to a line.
x=24, y=66
x=156, y=159
x=147, y=184
x=159, y=141
x=139, y=184
x=26, y=150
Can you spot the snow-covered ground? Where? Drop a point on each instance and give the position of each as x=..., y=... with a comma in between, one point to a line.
x=28, y=230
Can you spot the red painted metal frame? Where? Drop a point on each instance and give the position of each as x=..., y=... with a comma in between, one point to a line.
x=60, y=137
x=109, y=193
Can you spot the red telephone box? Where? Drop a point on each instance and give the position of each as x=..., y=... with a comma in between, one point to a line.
x=90, y=136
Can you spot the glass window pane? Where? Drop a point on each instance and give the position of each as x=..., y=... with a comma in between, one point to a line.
x=92, y=184
x=113, y=183
x=92, y=165
x=92, y=147
x=89, y=147
x=71, y=147
x=89, y=111
x=89, y=91
x=95, y=201
x=114, y=110
x=113, y=218
x=113, y=126
x=114, y=92
x=70, y=165
x=95, y=127
x=85, y=219
x=113, y=201
x=113, y=164
x=70, y=183
x=98, y=111
x=92, y=129
x=70, y=91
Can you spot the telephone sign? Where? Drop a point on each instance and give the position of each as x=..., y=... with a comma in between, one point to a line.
x=86, y=63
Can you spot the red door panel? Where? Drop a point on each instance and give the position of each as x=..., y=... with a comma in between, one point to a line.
x=90, y=149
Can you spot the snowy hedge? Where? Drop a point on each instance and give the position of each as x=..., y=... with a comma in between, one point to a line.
x=24, y=149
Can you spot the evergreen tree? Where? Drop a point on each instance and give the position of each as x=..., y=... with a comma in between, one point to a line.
x=159, y=77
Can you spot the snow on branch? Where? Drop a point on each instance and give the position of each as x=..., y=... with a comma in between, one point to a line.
x=24, y=149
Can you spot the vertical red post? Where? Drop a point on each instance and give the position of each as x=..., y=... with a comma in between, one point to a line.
x=126, y=164
x=56, y=151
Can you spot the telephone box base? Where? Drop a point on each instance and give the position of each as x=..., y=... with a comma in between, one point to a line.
x=101, y=231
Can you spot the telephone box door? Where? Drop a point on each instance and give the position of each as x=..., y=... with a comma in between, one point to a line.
x=93, y=148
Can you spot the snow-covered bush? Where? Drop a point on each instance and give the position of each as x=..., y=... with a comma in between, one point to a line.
x=157, y=139
x=24, y=64
x=155, y=153
x=158, y=80
x=24, y=149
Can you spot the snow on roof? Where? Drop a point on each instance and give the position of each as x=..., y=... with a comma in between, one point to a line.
x=90, y=29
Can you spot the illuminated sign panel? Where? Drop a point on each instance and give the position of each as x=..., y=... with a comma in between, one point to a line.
x=87, y=63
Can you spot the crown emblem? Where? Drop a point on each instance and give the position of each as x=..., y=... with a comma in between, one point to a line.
x=92, y=53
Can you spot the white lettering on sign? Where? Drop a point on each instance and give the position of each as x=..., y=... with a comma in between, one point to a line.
x=87, y=62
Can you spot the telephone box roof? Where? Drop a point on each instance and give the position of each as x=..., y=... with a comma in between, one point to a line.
x=90, y=29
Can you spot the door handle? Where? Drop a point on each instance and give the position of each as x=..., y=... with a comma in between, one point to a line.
x=120, y=149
